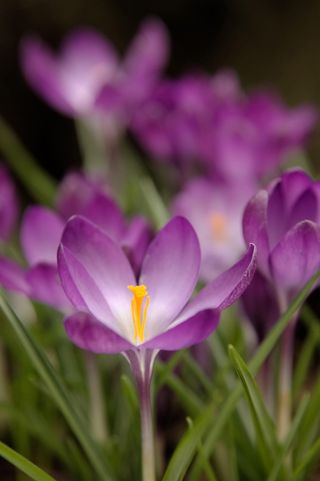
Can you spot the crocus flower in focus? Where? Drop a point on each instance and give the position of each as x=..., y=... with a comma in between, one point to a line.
x=8, y=204
x=284, y=223
x=215, y=210
x=41, y=232
x=119, y=311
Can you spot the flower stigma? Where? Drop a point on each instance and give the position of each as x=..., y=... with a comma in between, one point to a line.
x=218, y=224
x=139, y=309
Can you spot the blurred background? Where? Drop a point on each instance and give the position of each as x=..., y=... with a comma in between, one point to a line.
x=269, y=43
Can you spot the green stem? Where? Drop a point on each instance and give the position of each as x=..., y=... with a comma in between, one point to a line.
x=40, y=186
x=147, y=438
x=285, y=372
x=92, y=147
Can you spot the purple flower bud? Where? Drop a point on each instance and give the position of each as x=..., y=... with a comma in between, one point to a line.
x=284, y=223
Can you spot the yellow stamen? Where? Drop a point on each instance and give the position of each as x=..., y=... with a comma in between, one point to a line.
x=219, y=226
x=138, y=307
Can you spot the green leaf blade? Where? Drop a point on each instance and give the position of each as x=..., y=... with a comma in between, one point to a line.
x=23, y=464
x=264, y=427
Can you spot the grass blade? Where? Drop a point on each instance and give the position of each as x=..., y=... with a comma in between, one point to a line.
x=26, y=466
x=307, y=350
x=154, y=202
x=57, y=391
x=40, y=186
x=310, y=456
x=265, y=432
x=206, y=422
x=296, y=424
x=310, y=425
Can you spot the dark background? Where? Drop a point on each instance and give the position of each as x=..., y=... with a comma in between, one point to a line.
x=271, y=43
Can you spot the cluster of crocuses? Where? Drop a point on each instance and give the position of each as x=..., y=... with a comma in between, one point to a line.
x=85, y=256
x=225, y=144
x=123, y=287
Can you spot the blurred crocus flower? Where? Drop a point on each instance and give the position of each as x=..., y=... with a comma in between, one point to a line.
x=119, y=311
x=8, y=204
x=215, y=210
x=41, y=232
x=208, y=123
x=252, y=137
x=170, y=122
x=284, y=223
x=87, y=79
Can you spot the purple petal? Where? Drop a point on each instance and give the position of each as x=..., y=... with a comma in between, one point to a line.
x=295, y=182
x=8, y=204
x=45, y=286
x=170, y=271
x=75, y=280
x=111, y=100
x=95, y=273
x=42, y=71
x=260, y=304
x=75, y=192
x=255, y=228
x=105, y=213
x=41, y=232
x=86, y=48
x=136, y=241
x=146, y=56
x=301, y=122
x=88, y=333
x=87, y=63
x=276, y=214
x=83, y=196
x=12, y=276
x=305, y=208
x=215, y=211
x=188, y=333
x=224, y=290
x=297, y=256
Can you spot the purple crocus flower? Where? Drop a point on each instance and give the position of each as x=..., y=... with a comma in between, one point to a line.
x=215, y=210
x=252, y=137
x=41, y=232
x=284, y=223
x=87, y=79
x=169, y=124
x=209, y=124
x=119, y=311
x=8, y=204
x=138, y=315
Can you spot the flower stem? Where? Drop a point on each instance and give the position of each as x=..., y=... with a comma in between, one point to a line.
x=285, y=381
x=147, y=438
x=141, y=365
x=285, y=373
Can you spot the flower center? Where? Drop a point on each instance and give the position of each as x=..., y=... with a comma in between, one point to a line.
x=218, y=224
x=139, y=309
